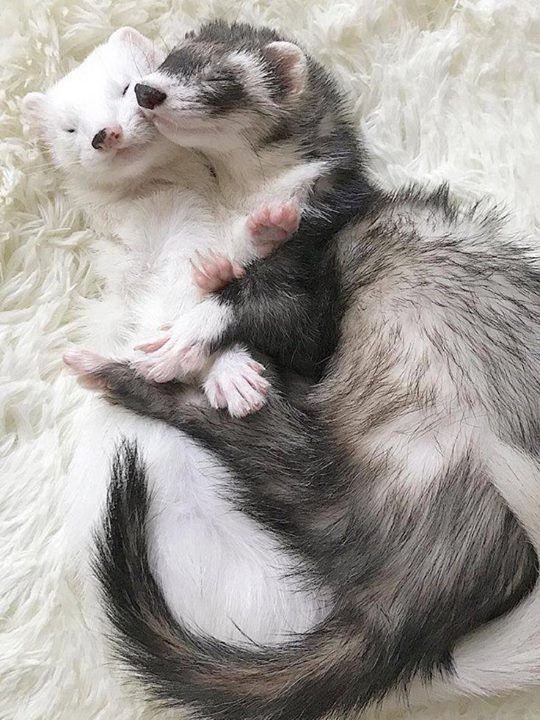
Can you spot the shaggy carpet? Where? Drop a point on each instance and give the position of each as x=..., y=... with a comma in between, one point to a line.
x=442, y=89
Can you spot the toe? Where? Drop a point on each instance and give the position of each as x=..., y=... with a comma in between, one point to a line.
x=152, y=345
x=238, y=271
x=276, y=215
x=83, y=361
x=215, y=395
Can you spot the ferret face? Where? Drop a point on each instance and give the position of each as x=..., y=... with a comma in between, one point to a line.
x=223, y=86
x=91, y=119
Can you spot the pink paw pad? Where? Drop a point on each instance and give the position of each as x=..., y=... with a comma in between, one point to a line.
x=214, y=272
x=271, y=225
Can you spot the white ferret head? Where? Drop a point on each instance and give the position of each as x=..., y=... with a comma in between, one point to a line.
x=225, y=85
x=90, y=118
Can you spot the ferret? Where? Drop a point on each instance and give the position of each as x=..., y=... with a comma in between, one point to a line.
x=397, y=481
x=157, y=204
x=408, y=480
x=276, y=129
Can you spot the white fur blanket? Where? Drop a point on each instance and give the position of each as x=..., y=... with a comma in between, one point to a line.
x=443, y=89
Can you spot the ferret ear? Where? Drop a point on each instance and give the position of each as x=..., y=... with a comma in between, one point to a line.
x=133, y=38
x=291, y=64
x=129, y=36
x=34, y=109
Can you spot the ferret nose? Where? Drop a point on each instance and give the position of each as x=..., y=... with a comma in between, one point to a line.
x=149, y=97
x=108, y=137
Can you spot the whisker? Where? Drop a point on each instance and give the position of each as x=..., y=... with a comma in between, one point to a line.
x=165, y=44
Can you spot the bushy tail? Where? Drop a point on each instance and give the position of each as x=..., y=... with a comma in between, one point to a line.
x=304, y=679
x=373, y=641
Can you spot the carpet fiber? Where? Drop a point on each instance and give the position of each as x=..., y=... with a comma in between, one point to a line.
x=442, y=89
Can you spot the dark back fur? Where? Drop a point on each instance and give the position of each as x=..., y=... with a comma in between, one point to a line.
x=383, y=480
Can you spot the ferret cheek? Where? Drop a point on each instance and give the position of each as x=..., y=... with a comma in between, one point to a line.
x=64, y=154
x=142, y=130
x=88, y=157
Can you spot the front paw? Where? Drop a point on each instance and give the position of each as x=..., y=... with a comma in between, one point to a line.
x=212, y=273
x=183, y=350
x=120, y=383
x=236, y=382
x=271, y=225
x=167, y=359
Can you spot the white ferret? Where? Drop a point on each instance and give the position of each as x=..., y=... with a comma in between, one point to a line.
x=158, y=203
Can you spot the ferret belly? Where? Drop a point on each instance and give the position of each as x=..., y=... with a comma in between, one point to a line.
x=157, y=277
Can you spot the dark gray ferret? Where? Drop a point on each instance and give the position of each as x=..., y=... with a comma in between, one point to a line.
x=275, y=127
x=390, y=478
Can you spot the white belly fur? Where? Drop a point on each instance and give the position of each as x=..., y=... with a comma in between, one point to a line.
x=220, y=571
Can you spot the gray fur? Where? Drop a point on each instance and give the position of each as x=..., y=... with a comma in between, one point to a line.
x=383, y=479
x=256, y=107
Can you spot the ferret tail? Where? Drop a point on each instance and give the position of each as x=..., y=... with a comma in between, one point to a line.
x=335, y=667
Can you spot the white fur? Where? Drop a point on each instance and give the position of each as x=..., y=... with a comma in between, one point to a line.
x=235, y=382
x=219, y=570
x=442, y=92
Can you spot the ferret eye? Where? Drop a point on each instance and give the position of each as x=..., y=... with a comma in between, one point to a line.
x=124, y=91
x=70, y=130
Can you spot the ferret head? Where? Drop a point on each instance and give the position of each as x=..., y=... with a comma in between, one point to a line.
x=91, y=120
x=223, y=86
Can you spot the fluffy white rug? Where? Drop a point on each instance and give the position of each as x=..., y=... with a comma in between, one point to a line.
x=442, y=89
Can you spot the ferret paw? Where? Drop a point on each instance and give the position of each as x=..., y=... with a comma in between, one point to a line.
x=271, y=225
x=213, y=272
x=166, y=359
x=86, y=366
x=120, y=384
x=236, y=383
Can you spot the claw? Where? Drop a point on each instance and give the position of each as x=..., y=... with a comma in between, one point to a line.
x=152, y=345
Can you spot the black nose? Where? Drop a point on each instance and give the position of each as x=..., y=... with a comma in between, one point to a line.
x=148, y=97
x=99, y=139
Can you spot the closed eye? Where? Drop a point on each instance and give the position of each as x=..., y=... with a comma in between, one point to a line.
x=70, y=130
x=124, y=91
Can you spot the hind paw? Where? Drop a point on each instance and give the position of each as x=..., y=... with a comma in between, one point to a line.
x=236, y=383
x=213, y=272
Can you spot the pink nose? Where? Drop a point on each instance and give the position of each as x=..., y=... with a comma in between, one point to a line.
x=109, y=137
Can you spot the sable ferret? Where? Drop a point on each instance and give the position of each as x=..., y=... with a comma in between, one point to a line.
x=394, y=479
x=274, y=126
